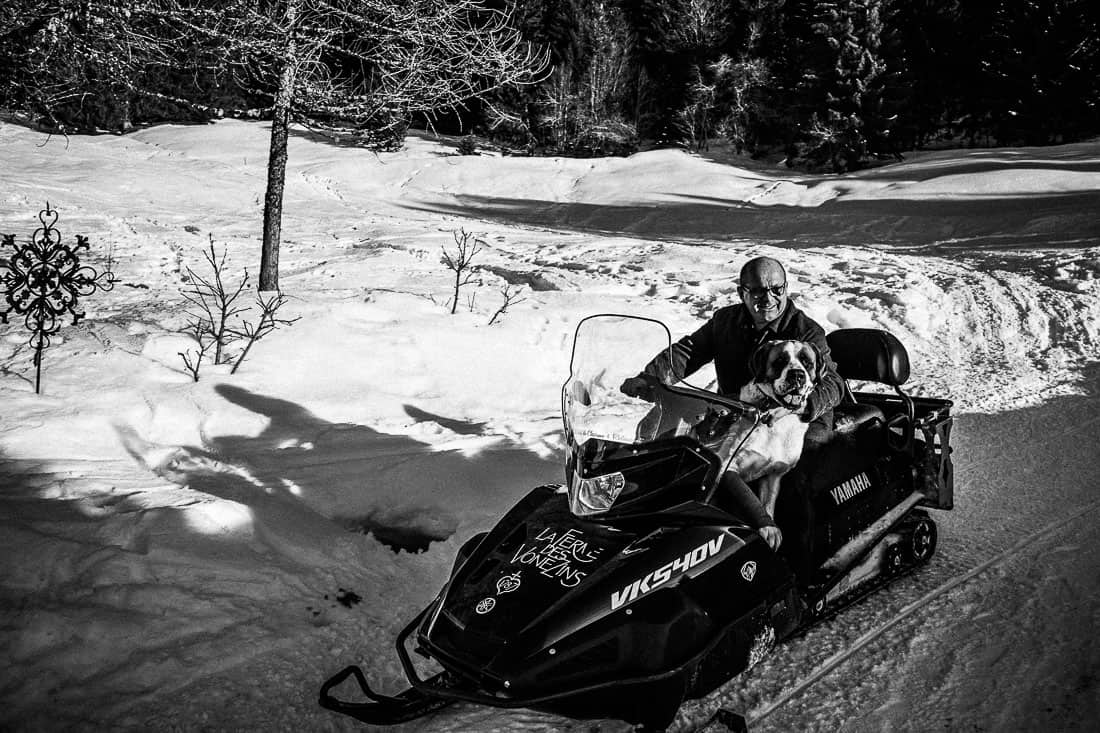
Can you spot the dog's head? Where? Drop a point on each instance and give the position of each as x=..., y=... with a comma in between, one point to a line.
x=787, y=370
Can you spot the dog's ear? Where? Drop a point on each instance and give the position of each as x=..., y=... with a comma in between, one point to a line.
x=758, y=362
x=819, y=361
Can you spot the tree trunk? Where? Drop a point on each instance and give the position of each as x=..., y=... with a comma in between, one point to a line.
x=273, y=200
x=276, y=161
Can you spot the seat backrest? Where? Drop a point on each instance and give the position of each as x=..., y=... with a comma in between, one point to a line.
x=869, y=355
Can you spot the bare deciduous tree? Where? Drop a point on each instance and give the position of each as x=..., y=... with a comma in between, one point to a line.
x=363, y=64
x=193, y=358
x=81, y=58
x=359, y=63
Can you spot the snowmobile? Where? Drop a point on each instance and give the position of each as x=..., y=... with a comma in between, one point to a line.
x=629, y=589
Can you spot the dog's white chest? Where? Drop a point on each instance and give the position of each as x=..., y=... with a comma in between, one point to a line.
x=770, y=447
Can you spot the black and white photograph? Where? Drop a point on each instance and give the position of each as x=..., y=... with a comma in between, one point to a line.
x=563, y=366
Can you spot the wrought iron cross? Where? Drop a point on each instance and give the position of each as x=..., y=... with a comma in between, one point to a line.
x=43, y=281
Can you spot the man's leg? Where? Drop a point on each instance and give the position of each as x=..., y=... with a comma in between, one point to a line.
x=735, y=496
x=799, y=525
x=818, y=435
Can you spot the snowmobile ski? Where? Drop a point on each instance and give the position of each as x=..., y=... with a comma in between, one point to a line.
x=380, y=709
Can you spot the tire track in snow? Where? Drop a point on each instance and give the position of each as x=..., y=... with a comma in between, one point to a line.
x=847, y=653
x=1017, y=336
x=970, y=296
x=950, y=571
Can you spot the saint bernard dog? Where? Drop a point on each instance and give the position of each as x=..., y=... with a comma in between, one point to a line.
x=784, y=375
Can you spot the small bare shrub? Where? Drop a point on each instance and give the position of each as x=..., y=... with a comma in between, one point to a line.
x=460, y=261
x=269, y=304
x=193, y=358
x=215, y=317
x=510, y=298
x=212, y=303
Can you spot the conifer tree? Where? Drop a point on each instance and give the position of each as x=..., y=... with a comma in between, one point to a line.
x=925, y=46
x=1040, y=65
x=553, y=110
x=747, y=74
x=846, y=124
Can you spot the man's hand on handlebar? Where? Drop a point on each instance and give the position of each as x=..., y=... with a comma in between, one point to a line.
x=643, y=386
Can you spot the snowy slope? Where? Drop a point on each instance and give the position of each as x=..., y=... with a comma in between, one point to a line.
x=182, y=555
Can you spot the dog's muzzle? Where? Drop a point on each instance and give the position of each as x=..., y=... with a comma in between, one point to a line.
x=793, y=388
x=796, y=380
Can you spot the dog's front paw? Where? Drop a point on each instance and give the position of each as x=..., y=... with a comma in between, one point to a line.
x=772, y=536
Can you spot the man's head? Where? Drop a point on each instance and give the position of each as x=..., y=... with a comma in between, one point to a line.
x=763, y=290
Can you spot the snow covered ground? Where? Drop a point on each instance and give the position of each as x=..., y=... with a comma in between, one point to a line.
x=178, y=555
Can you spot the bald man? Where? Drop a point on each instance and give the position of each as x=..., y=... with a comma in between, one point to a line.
x=728, y=339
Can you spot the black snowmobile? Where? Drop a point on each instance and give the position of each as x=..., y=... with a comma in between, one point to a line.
x=628, y=589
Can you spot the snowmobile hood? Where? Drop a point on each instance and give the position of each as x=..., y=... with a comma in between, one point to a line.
x=523, y=571
x=543, y=576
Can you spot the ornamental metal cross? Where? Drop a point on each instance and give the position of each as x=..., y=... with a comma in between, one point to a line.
x=43, y=280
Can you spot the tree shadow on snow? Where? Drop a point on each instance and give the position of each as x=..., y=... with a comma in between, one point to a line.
x=962, y=223
x=403, y=491
x=351, y=139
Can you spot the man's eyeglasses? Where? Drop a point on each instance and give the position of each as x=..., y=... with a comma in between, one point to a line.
x=760, y=292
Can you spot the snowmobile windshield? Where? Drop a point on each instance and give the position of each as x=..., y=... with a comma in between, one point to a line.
x=600, y=417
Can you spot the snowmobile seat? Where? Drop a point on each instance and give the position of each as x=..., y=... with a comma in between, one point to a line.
x=869, y=354
x=872, y=355
x=848, y=417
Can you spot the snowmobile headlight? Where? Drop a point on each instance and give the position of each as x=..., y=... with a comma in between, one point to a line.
x=595, y=495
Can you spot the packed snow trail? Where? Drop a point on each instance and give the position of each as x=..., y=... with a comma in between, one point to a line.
x=1027, y=544
x=1023, y=534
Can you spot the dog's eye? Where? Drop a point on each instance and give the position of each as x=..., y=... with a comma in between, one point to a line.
x=808, y=360
x=781, y=361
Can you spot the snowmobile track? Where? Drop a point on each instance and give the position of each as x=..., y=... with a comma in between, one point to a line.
x=842, y=656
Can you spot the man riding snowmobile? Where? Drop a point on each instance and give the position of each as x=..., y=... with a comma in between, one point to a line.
x=627, y=589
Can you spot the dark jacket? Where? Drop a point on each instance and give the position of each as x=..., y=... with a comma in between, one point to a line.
x=729, y=338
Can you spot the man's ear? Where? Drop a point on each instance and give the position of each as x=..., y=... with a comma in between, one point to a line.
x=758, y=362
